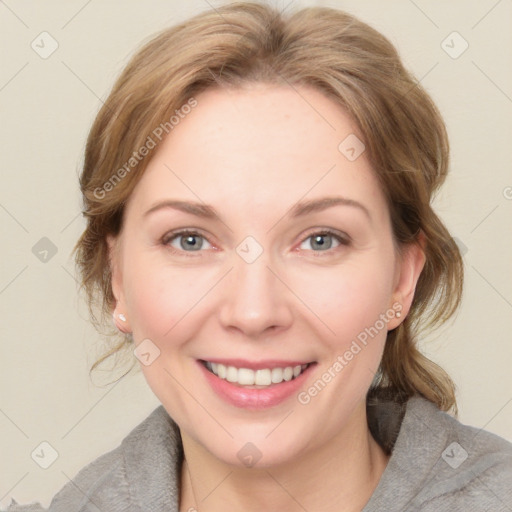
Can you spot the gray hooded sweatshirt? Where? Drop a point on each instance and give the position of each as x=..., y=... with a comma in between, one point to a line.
x=437, y=464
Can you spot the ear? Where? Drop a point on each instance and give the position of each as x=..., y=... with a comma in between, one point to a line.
x=407, y=272
x=119, y=310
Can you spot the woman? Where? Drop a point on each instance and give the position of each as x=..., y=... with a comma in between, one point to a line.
x=257, y=191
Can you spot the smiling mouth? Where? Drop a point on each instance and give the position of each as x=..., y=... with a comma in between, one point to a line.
x=263, y=377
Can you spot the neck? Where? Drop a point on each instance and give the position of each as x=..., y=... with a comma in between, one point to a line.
x=340, y=475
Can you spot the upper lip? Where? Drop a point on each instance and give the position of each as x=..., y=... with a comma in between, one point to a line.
x=257, y=365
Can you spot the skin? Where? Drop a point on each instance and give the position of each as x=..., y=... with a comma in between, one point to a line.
x=252, y=154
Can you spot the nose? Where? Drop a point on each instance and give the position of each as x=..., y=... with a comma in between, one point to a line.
x=255, y=302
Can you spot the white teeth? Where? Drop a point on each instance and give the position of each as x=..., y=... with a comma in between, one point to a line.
x=221, y=371
x=288, y=373
x=231, y=374
x=277, y=375
x=245, y=376
x=262, y=377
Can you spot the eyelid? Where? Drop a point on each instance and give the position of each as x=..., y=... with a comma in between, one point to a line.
x=185, y=231
x=341, y=236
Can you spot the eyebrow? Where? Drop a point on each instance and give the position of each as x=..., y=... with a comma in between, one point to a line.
x=300, y=209
x=197, y=209
x=316, y=205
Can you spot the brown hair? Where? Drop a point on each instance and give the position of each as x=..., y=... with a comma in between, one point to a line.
x=353, y=64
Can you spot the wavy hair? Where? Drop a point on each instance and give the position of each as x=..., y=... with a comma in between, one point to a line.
x=345, y=59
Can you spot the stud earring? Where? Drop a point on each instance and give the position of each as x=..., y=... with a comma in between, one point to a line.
x=120, y=322
x=398, y=314
x=120, y=316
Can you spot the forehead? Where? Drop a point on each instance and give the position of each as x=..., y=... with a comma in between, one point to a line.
x=256, y=146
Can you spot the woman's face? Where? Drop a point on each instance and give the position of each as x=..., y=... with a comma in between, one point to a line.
x=271, y=275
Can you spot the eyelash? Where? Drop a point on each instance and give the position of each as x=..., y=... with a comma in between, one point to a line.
x=344, y=240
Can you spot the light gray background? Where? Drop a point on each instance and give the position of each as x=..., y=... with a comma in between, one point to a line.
x=47, y=107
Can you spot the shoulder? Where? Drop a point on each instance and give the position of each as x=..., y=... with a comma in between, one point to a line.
x=81, y=493
x=112, y=481
x=446, y=465
x=474, y=471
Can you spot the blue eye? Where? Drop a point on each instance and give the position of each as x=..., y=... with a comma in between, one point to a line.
x=323, y=241
x=188, y=241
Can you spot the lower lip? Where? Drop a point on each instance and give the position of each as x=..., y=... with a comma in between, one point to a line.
x=251, y=398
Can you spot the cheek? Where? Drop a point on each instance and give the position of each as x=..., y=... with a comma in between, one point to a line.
x=163, y=300
x=349, y=298
x=155, y=310
x=152, y=304
x=163, y=303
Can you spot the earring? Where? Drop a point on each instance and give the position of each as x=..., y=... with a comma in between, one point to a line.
x=120, y=316
x=398, y=314
x=119, y=321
